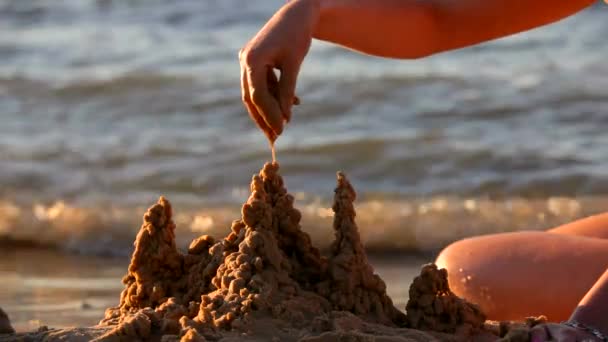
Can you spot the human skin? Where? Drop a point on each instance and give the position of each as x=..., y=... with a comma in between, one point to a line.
x=387, y=28
x=522, y=273
x=561, y=273
x=591, y=311
x=515, y=275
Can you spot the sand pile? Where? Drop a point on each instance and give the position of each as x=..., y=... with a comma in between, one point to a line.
x=5, y=323
x=265, y=269
x=266, y=282
x=433, y=306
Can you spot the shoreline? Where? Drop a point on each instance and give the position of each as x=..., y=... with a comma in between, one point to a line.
x=86, y=305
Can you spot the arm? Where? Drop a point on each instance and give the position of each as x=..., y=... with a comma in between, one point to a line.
x=418, y=28
x=389, y=28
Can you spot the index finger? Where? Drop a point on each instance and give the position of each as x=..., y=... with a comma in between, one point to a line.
x=253, y=112
x=266, y=105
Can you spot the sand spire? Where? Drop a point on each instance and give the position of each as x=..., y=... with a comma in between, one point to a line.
x=156, y=268
x=352, y=284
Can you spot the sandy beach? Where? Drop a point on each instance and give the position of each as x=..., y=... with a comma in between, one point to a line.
x=107, y=105
x=36, y=294
x=264, y=281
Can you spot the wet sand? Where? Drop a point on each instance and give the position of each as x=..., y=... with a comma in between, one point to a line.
x=48, y=287
x=60, y=290
x=264, y=280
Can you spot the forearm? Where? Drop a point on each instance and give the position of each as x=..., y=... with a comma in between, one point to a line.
x=418, y=28
x=593, y=308
x=387, y=28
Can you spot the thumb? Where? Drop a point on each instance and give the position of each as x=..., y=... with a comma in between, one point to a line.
x=287, y=89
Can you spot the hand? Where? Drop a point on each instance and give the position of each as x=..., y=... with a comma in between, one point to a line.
x=282, y=44
x=560, y=333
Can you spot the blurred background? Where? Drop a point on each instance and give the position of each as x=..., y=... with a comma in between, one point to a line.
x=106, y=105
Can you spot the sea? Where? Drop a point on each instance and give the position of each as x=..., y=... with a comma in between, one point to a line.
x=105, y=105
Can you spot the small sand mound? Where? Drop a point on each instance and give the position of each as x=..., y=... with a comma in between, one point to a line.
x=5, y=323
x=517, y=331
x=266, y=279
x=433, y=306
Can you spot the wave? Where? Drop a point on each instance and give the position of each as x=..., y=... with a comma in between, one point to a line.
x=387, y=225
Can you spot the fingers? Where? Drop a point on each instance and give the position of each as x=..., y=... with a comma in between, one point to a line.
x=287, y=89
x=253, y=112
x=273, y=83
x=279, y=95
x=273, y=86
x=267, y=106
x=268, y=99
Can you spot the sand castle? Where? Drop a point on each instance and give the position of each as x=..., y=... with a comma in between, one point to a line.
x=265, y=281
x=267, y=273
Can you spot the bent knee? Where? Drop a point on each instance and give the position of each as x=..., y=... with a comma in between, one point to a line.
x=492, y=270
x=472, y=272
x=445, y=258
x=457, y=259
x=479, y=267
x=484, y=253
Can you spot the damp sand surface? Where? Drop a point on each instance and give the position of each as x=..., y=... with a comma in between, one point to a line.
x=266, y=279
x=48, y=287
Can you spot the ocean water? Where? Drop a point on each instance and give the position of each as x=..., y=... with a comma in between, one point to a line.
x=106, y=105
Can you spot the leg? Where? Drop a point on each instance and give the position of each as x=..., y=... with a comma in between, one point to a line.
x=592, y=226
x=515, y=275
